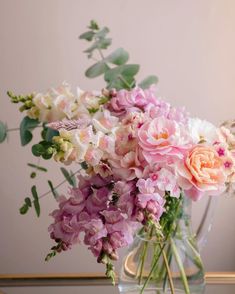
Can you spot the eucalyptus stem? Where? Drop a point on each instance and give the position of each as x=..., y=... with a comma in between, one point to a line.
x=57, y=186
x=18, y=129
x=181, y=267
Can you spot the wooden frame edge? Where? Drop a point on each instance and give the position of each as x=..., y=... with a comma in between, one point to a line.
x=88, y=279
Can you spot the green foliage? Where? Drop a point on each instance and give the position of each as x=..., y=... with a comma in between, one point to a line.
x=45, y=149
x=147, y=82
x=3, y=132
x=54, y=250
x=26, y=127
x=68, y=176
x=97, y=69
x=50, y=133
x=37, y=167
x=33, y=175
x=118, y=57
x=25, y=207
x=122, y=76
x=53, y=191
x=117, y=73
x=36, y=200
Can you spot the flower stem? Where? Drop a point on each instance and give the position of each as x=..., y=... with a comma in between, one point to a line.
x=168, y=272
x=181, y=267
x=143, y=260
x=151, y=271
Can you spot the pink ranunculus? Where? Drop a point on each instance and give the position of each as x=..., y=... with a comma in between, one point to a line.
x=201, y=172
x=162, y=139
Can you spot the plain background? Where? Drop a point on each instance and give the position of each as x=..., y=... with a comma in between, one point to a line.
x=188, y=44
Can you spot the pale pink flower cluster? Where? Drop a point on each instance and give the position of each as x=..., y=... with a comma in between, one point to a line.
x=137, y=149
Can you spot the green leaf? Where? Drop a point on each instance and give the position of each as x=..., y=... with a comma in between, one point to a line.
x=26, y=126
x=67, y=176
x=102, y=33
x=47, y=156
x=125, y=70
x=36, y=201
x=38, y=150
x=104, y=43
x=37, y=167
x=92, y=110
x=122, y=76
x=3, y=132
x=87, y=36
x=99, y=44
x=53, y=191
x=147, y=82
x=28, y=202
x=93, y=25
x=96, y=70
x=50, y=133
x=24, y=209
x=72, y=176
x=118, y=57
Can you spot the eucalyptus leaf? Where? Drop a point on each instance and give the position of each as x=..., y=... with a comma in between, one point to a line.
x=26, y=126
x=47, y=156
x=38, y=150
x=87, y=36
x=67, y=176
x=93, y=25
x=73, y=178
x=36, y=201
x=37, y=167
x=50, y=133
x=118, y=57
x=102, y=33
x=3, y=132
x=24, y=209
x=147, y=82
x=96, y=70
x=28, y=202
x=53, y=191
x=104, y=43
x=121, y=76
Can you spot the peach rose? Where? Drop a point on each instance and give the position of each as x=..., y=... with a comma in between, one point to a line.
x=202, y=172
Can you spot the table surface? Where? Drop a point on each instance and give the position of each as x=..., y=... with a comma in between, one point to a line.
x=216, y=283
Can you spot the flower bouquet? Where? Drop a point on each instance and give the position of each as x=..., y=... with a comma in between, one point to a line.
x=140, y=162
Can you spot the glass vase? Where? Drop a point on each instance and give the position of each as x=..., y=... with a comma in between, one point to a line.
x=172, y=265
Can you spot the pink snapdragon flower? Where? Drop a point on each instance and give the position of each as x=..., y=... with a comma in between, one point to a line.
x=149, y=199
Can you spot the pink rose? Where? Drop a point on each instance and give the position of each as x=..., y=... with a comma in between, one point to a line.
x=161, y=139
x=202, y=172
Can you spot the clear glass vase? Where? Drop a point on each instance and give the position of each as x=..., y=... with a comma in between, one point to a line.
x=170, y=266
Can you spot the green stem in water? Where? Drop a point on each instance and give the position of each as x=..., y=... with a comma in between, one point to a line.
x=181, y=267
x=168, y=272
x=142, y=261
x=151, y=271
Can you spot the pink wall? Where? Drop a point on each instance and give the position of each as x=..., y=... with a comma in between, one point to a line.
x=188, y=44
